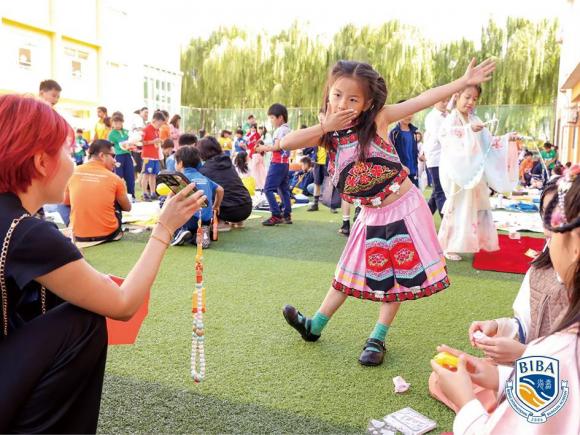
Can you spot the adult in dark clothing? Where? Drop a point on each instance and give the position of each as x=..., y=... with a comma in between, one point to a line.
x=53, y=340
x=237, y=203
x=405, y=137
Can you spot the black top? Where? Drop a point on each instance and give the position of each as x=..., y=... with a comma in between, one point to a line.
x=37, y=247
x=220, y=170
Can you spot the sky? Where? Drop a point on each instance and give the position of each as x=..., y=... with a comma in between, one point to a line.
x=440, y=20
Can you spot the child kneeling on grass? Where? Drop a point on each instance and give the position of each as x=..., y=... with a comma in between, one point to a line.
x=186, y=161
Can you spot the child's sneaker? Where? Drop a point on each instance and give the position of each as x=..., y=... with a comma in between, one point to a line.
x=205, y=239
x=271, y=221
x=313, y=207
x=145, y=197
x=287, y=219
x=181, y=237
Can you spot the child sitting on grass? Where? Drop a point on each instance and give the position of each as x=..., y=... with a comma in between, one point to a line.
x=186, y=161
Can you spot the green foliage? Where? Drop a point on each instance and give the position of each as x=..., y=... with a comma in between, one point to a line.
x=235, y=70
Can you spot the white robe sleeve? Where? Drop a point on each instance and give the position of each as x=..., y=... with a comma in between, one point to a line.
x=462, y=160
x=501, y=162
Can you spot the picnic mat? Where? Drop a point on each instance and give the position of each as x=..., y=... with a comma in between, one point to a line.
x=126, y=332
x=514, y=256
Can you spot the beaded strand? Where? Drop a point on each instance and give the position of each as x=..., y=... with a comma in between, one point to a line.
x=198, y=308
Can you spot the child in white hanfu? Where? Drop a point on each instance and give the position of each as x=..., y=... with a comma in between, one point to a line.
x=472, y=161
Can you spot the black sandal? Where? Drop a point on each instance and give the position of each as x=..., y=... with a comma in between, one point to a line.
x=299, y=322
x=372, y=357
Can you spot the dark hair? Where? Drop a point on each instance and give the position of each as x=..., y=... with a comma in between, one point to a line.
x=187, y=139
x=118, y=116
x=251, y=116
x=224, y=132
x=209, y=147
x=102, y=109
x=543, y=261
x=528, y=153
x=167, y=143
x=568, y=164
x=375, y=91
x=278, y=110
x=201, y=133
x=254, y=125
x=165, y=113
x=49, y=85
x=306, y=160
x=188, y=156
x=240, y=131
x=107, y=121
x=99, y=146
x=143, y=108
x=241, y=162
x=263, y=128
x=159, y=116
x=79, y=130
x=478, y=88
x=558, y=169
x=572, y=213
x=174, y=120
x=548, y=145
x=303, y=126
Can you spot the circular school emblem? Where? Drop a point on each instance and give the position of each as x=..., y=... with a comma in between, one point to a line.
x=536, y=393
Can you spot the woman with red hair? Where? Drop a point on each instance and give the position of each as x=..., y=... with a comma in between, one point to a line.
x=53, y=343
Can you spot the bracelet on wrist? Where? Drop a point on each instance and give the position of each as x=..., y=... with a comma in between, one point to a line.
x=166, y=228
x=163, y=242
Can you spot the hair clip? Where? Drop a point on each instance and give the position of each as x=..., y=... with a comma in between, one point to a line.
x=558, y=218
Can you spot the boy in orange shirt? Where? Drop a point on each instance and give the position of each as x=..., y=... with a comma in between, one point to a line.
x=525, y=168
x=150, y=154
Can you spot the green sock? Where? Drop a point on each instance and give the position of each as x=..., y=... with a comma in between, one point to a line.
x=318, y=323
x=379, y=333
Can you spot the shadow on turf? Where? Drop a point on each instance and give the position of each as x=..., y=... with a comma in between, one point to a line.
x=129, y=405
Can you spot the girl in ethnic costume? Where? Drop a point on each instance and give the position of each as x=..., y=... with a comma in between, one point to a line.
x=392, y=254
x=472, y=160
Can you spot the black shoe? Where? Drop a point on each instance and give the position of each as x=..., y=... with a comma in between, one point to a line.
x=372, y=357
x=313, y=207
x=299, y=322
x=333, y=211
x=287, y=220
x=182, y=237
x=345, y=228
x=271, y=221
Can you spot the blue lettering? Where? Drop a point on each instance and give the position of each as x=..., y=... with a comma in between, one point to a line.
x=523, y=367
x=550, y=368
x=540, y=366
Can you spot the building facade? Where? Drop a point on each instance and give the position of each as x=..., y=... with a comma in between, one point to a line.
x=97, y=52
x=567, y=129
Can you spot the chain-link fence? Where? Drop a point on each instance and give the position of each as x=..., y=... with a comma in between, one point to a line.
x=534, y=121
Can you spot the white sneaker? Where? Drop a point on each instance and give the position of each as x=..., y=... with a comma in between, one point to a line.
x=452, y=257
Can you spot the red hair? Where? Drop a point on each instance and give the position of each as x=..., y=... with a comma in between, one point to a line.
x=27, y=127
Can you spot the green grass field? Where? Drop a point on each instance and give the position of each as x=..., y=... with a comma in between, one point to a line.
x=261, y=376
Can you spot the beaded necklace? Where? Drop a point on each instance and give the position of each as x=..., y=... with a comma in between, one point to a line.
x=198, y=308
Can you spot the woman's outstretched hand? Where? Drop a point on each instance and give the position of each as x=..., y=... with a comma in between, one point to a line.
x=481, y=73
x=178, y=209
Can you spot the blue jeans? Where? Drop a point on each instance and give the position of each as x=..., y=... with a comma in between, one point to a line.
x=62, y=209
x=277, y=181
x=191, y=225
x=126, y=171
x=437, y=199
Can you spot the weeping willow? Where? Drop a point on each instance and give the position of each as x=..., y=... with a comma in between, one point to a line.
x=232, y=69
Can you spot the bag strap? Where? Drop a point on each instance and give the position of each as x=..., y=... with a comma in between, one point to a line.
x=3, y=258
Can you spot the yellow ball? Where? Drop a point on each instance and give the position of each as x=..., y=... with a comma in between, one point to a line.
x=162, y=189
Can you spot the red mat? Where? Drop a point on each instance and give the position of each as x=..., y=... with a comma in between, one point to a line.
x=126, y=332
x=511, y=257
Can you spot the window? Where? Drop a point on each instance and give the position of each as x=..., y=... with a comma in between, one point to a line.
x=25, y=57
x=78, y=59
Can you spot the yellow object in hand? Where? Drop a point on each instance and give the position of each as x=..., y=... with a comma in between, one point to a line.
x=162, y=189
x=446, y=360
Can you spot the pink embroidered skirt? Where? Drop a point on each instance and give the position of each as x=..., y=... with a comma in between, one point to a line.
x=392, y=253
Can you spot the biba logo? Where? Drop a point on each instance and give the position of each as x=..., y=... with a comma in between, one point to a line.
x=537, y=393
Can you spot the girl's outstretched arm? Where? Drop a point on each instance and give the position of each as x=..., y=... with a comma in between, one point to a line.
x=474, y=75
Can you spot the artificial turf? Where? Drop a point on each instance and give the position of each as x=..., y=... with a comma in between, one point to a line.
x=261, y=376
